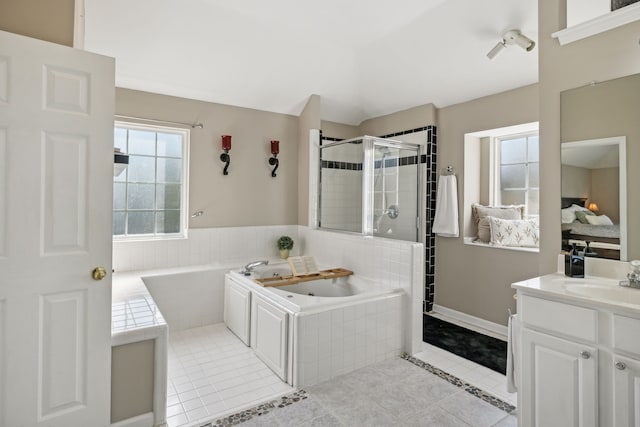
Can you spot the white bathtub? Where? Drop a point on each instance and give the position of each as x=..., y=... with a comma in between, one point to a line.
x=188, y=297
x=316, y=294
x=347, y=323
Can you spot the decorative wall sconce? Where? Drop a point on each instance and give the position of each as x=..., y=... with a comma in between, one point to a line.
x=225, y=157
x=273, y=161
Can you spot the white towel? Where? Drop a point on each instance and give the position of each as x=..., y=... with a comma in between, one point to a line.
x=512, y=332
x=445, y=223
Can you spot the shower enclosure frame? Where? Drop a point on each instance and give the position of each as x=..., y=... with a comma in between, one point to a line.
x=369, y=144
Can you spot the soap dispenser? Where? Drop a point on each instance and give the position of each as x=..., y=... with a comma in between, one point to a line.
x=567, y=260
x=574, y=263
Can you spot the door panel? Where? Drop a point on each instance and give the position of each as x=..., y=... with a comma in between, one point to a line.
x=4, y=79
x=63, y=341
x=65, y=193
x=626, y=392
x=3, y=190
x=237, y=310
x=269, y=335
x=66, y=90
x=56, y=171
x=559, y=382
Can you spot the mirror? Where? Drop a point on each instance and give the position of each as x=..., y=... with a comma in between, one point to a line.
x=599, y=131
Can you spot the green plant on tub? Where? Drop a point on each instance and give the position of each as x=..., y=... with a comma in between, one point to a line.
x=285, y=244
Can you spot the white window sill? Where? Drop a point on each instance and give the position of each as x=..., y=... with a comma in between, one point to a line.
x=470, y=241
x=148, y=238
x=599, y=25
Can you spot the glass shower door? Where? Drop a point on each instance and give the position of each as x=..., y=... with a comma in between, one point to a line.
x=394, y=191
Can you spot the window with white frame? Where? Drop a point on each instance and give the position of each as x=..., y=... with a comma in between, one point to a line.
x=150, y=196
x=516, y=174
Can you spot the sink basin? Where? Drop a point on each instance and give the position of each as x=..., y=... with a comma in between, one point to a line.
x=605, y=292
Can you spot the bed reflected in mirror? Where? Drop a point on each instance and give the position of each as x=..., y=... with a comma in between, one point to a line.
x=593, y=205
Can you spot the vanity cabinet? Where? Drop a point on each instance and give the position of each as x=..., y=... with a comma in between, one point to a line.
x=269, y=338
x=237, y=309
x=559, y=382
x=579, y=364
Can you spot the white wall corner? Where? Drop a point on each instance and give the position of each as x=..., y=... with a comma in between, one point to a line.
x=413, y=333
x=314, y=172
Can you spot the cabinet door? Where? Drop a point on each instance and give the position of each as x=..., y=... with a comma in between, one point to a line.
x=269, y=335
x=626, y=392
x=559, y=382
x=237, y=309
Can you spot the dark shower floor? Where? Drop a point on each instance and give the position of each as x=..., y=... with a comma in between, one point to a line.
x=474, y=346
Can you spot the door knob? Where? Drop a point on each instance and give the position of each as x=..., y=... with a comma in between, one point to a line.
x=621, y=366
x=99, y=273
x=585, y=355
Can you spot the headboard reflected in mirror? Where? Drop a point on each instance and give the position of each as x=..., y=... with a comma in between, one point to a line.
x=568, y=201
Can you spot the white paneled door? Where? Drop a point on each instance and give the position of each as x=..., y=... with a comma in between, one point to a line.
x=56, y=162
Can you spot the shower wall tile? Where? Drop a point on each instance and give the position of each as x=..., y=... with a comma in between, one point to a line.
x=430, y=210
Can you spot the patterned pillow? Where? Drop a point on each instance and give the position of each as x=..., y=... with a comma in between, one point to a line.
x=482, y=213
x=599, y=220
x=582, y=216
x=514, y=232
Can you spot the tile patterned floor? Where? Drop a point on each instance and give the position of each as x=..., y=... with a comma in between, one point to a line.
x=484, y=378
x=390, y=393
x=211, y=372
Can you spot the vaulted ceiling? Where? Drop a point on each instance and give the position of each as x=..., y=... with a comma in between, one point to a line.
x=365, y=58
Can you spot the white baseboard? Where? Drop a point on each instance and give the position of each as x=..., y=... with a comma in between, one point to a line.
x=474, y=322
x=144, y=420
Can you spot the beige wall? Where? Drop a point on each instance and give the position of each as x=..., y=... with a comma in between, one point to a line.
x=411, y=118
x=606, y=193
x=576, y=182
x=248, y=195
x=601, y=57
x=339, y=130
x=132, y=380
x=50, y=20
x=471, y=279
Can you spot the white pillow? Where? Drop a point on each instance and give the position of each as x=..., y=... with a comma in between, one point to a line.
x=568, y=215
x=514, y=232
x=599, y=220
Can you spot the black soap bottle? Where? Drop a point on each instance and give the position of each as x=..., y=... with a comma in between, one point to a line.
x=577, y=263
x=567, y=260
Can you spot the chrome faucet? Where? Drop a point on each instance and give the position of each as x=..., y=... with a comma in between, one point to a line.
x=247, y=269
x=633, y=277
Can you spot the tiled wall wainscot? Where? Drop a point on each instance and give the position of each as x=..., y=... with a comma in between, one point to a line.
x=225, y=246
x=338, y=341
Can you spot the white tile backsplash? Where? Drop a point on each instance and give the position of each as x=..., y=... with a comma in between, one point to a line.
x=225, y=246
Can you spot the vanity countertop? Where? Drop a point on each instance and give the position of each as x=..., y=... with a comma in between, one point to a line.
x=596, y=291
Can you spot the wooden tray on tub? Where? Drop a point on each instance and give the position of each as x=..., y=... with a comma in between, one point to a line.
x=332, y=273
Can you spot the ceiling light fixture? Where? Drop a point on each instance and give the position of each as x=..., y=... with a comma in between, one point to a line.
x=509, y=38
